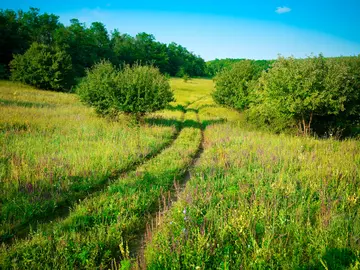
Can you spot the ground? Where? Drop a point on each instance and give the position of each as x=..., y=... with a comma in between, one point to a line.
x=193, y=187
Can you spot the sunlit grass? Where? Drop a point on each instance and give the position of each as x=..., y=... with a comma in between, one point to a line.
x=99, y=228
x=53, y=148
x=254, y=200
x=262, y=201
x=192, y=90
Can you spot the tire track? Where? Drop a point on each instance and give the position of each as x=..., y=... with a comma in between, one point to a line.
x=64, y=207
x=137, y=251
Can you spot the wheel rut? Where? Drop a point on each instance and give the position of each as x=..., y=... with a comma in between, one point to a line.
x=137, y=250
x=64, y=207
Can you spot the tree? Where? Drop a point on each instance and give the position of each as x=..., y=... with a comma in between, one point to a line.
x=303, y=91
x=18, y=30
x=85, y=46
x=235, y=85
x=135, y=90
x=123, y=47
x=44, y=67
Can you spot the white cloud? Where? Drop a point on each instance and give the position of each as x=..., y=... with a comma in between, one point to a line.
x=281, y=10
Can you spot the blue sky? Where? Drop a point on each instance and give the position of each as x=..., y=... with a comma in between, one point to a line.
x=257, y=29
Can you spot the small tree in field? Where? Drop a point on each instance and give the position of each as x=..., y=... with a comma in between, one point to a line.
x=44, y=67
x=135, y=90
x=234, y=85
x=301, y=91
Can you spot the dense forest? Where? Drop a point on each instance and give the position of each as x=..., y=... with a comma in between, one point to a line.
x=86, y=45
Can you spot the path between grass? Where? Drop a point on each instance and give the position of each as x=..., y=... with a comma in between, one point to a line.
x=138, y=249
x=99, y=229
x=63, y=207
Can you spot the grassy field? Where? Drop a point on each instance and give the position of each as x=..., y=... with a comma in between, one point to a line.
x=192, y=188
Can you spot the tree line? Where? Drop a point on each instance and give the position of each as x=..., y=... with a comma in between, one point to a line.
x=316, y=95
x=213, y=67
x=41, y=35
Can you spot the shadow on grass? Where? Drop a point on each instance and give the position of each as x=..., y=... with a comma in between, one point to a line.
x=186, y=124
x=61, y=208
x=178, y=107
x=83, y=188
x=334, y=258
x=208, y=106
x=338, y=258
x=25, y=104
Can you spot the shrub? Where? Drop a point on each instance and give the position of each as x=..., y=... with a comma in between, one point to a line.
x=303, y=92
x=133, y=90
x=235, y=85
x=44, y=67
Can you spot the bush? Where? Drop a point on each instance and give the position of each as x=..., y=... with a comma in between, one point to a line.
x=132, y=90
x=304, y=92
x=44, y=67
x=186, y=77
x=235, y=85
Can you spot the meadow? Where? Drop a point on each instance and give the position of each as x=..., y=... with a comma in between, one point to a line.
x=193, y=187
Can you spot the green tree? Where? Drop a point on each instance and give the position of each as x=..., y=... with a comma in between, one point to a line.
x=44, y=67
x=18, y=30
x=123, y=47
x=303, y=91
x=135, y=90
x=234, y=86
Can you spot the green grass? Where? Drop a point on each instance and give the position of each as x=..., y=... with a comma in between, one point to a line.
x=262, y=201
x=54, y=150
x=91, y=235
x=254, y=200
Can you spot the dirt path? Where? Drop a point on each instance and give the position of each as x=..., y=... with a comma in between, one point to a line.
x=138, y=249
x=63, y=208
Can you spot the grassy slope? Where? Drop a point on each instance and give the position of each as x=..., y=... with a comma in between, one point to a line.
x=54, y=150
x=254, y=200
x=264, y=201
x=93, y=232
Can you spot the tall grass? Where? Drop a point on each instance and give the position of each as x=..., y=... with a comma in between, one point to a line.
x=262, y=201
x=99, y=229
x=253, y=200
x=54, y=150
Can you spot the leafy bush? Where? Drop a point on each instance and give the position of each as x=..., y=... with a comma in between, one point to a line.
x=186, y=77
x=132, y=90
x=234, y=85
x=304, y=92
x=44, y=67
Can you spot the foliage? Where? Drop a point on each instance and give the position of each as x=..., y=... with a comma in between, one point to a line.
x=213, y=67
x=18, y=30
x=302, y=92
x=85, y=45
x=235, y=85
x=136, y=90
x=44, y=67
x=186, y=77
x=88, y=45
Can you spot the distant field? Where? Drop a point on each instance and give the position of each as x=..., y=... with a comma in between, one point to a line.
x=192, y=188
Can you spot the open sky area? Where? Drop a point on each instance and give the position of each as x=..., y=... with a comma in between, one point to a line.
x=258, y=29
